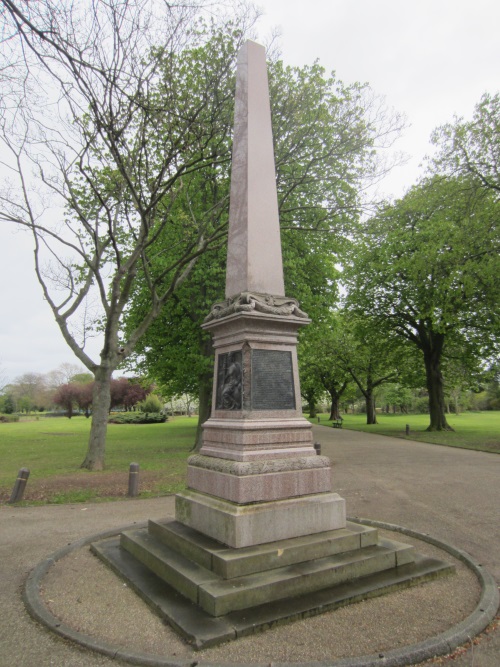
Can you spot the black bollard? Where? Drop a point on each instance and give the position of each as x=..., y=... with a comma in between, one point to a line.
x=407, y=429
x=19, y=486
x=317, y=447
x=133, y=480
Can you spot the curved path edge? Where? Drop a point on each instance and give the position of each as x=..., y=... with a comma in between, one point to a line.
x=441, y=644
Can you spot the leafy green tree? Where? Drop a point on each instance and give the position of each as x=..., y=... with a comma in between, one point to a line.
x=397, y=397
x=139, y=94
x=472, y=148
x=321, y=356
x=426, y=270
x=7, y=404
x=372, y=360
x=30, y=392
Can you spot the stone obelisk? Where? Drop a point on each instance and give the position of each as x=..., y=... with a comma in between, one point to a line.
x=257, y=477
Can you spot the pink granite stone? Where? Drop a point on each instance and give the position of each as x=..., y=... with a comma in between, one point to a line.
x=254, y=247
x=259, y=488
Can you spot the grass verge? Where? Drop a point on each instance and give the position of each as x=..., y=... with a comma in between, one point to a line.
x=53, y=449
x=473, y=430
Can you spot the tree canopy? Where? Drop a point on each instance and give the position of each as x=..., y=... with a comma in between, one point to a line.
x=427, y=269
x=472, y=147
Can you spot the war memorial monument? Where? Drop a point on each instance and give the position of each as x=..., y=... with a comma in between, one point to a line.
x=259, y=535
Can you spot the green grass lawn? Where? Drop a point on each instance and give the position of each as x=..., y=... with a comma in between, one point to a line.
x=473, y=430
x=54, y=447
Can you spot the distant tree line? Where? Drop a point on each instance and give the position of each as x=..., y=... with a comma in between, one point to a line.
x=71, y=390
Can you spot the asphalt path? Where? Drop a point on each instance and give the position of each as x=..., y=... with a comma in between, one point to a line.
x=451, y=494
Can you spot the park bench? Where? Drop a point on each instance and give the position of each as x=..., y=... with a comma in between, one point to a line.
x=337, y=423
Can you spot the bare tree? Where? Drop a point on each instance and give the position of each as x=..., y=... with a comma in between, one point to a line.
x=108, y=105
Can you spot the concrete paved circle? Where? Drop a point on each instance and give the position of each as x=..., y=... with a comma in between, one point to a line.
x=437, y=645
x=449, y=493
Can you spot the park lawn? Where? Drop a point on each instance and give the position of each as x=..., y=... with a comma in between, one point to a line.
x=473, y=430
x=54, y=447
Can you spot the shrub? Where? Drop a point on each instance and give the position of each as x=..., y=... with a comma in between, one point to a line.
x=9, y=418
x=137, y=418
x=151, y=404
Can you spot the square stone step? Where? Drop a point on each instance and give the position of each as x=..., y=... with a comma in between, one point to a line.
x=222, y=596
x=218, y=596
x=182, y=574
x=229, y=563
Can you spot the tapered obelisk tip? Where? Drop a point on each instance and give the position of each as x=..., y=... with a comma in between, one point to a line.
x=254, y=262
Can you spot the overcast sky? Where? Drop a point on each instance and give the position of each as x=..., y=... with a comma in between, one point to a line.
x=431, y=59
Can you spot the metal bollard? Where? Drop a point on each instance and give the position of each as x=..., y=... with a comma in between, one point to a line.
x=317, y=447
x=407, y=429
x=19, y=486
x=133, y=480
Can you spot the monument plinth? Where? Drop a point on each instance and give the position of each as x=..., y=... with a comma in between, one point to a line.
x=259, y=535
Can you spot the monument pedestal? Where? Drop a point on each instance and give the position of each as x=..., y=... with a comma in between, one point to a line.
x=257, y=478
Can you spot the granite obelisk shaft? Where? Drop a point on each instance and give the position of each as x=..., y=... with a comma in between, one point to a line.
x=254, y=262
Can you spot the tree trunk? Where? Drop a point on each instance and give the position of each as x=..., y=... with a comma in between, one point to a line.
x=335, y=408
x=312, y=408
x=371, y=414
x=434, y=381
x=205, y=409
x=101, y=402
x=335, y=395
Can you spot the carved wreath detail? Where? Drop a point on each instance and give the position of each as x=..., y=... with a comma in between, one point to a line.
x=261, y=303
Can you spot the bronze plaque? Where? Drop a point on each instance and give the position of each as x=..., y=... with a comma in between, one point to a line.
x=229, y=381
x=272, y=380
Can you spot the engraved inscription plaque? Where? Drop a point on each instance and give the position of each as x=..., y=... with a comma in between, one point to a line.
x=272, y=380
x=229, y=377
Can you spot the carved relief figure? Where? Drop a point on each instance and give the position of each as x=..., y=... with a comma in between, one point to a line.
x=230, y=397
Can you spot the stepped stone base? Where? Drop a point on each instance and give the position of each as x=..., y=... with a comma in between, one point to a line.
x=245, y=525
x=212, y=593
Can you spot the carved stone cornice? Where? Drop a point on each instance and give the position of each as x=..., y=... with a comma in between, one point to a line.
x=248, y=302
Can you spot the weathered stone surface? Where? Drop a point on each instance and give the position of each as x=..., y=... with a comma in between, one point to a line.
x=261, y=480
x=231, y=563
x=242, y=469
x=183, y=574
x=203, y=630
x=254, y=246
x=258, y=303
x=244, y=525
x=259, y=574
x=260, y=488
x=219, y=597
x=257, y=439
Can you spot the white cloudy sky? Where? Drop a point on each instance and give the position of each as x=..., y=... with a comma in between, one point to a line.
x=431, y=59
